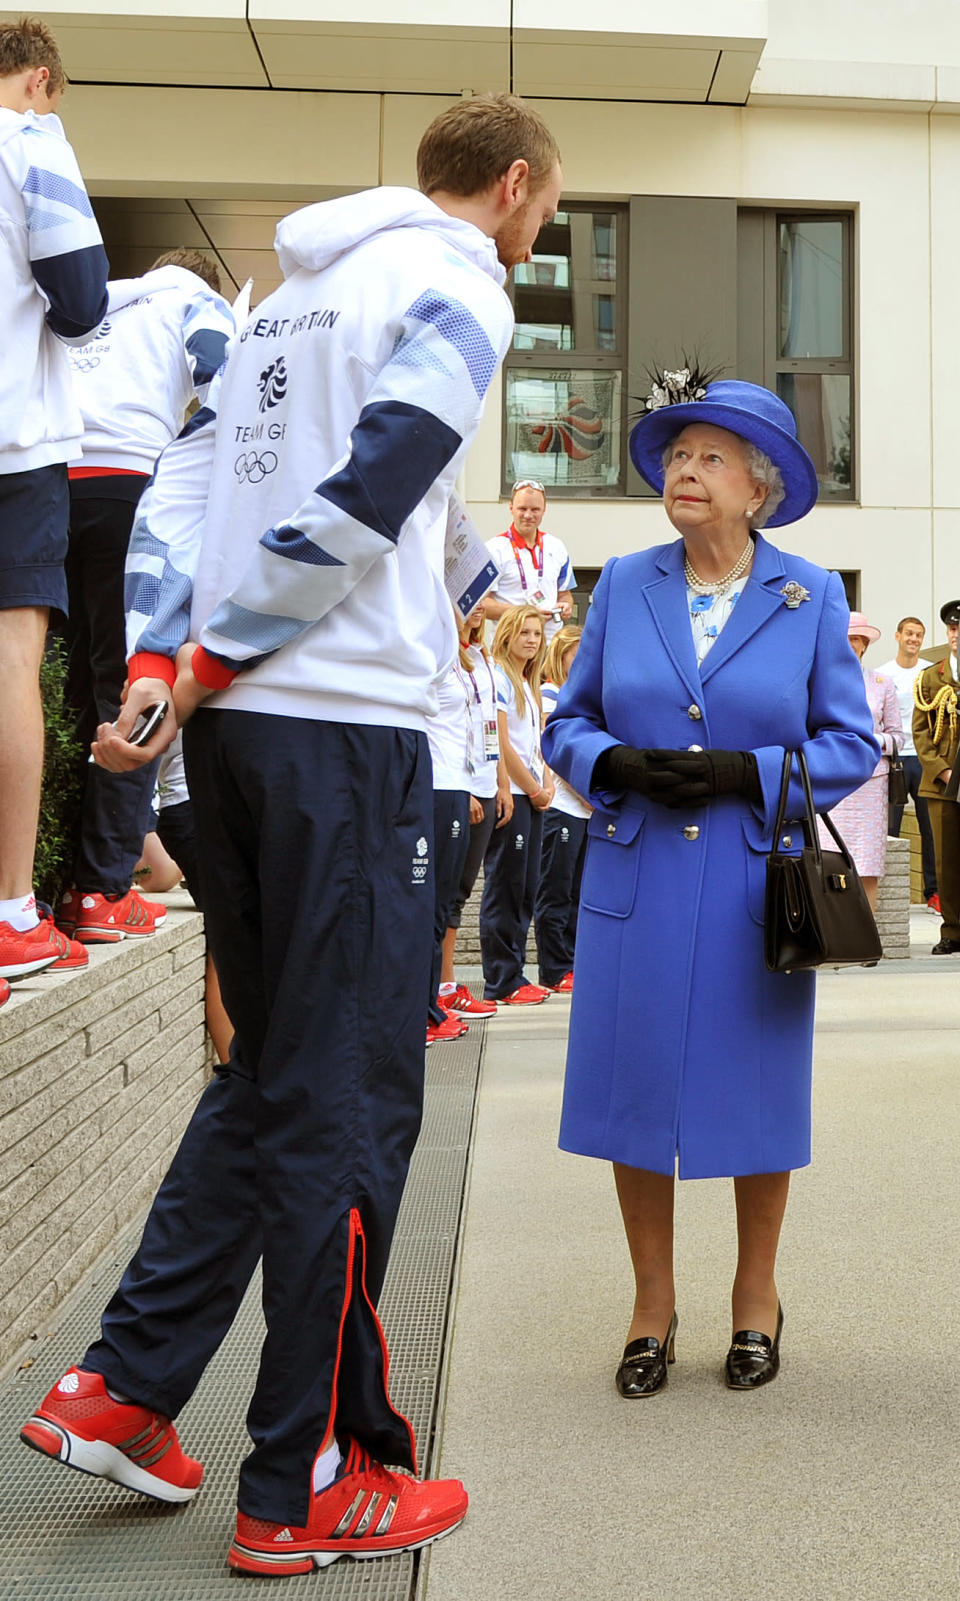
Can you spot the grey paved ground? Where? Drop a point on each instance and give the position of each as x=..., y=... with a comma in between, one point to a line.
x=841, y=1479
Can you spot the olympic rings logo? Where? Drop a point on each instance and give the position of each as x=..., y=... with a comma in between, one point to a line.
x=85, y=363
x=252, y=467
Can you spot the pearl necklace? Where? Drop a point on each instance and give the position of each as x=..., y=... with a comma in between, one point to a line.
x=701, y=587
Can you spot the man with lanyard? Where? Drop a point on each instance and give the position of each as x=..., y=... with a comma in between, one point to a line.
x=534, y=568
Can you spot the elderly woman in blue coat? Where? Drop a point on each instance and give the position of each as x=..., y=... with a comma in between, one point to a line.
x=701, y=661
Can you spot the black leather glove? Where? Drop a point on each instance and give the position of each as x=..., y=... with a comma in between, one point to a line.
x=678, y=778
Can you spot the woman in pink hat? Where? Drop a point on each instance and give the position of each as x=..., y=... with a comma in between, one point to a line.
x=862, y=817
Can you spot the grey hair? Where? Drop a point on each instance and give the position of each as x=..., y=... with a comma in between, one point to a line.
x=761, y=470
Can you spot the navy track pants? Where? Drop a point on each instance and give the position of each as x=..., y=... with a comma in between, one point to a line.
x=451, y=832
x=316, y=841
x=511, y=868
x=557, y=900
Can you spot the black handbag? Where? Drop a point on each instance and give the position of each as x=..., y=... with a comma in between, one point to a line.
x=816, y=913
x=897, y=791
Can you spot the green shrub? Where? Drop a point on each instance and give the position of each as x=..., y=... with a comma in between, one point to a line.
x=62, y=781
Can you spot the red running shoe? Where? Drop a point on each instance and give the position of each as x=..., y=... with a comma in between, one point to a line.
x=80, y=1424
x=4, y=992
x=933, y=905
x=450, y=1029
x=22, y=953
x=565, y=986
x=462, y=1004
x=72, y=953
x=366, y=1512
x=527, y=995
x=102, y=919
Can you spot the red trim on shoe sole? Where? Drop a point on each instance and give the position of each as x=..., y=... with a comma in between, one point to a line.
x=244, y=1559
x=105, y=1461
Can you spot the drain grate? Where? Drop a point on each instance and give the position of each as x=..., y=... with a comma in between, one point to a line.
x=71, y=1538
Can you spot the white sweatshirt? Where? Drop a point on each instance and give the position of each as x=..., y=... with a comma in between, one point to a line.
x=320, y=471
x=53, y=273
x=163, y=338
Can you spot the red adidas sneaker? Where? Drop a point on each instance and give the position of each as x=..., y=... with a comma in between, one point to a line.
x=99, y=920
x=451, y=1028
x=72, y=953
x=4, y=992
x=30, y=951
x=463, y=1004
x=80, y=1424
x=366, y=1512
x=527, y=995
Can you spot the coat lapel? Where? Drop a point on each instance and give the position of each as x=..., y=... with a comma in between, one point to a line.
x=760, y=599
x=666, y=596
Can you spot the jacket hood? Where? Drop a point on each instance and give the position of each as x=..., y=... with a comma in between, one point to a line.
x=317, y=235
x=123, y=291
x=13, y=122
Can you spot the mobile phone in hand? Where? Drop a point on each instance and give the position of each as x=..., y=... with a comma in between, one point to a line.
x=147, y=723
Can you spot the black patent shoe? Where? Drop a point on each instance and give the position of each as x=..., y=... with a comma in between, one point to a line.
x=946, y=947
x=753, y=1359
x=643, y=1366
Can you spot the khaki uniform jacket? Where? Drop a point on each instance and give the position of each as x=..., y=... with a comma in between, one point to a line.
x=935, y=757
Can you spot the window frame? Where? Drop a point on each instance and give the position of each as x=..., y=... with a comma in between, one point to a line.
x=573, y=361
x=839, y=366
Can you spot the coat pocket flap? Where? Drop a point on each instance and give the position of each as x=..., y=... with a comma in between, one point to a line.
x=620, y=828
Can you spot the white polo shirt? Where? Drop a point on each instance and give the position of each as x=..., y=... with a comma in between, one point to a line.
x=532, y=576
x=904, y=679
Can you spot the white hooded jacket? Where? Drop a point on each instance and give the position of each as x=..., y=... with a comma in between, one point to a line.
x=163, y=339
x=302, y=526
x=53, y=273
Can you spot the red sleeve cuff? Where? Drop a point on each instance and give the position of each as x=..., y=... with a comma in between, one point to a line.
x=146, y=665
x=210, y=672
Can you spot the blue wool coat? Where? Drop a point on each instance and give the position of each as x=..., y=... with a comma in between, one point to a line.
x=681, y=1042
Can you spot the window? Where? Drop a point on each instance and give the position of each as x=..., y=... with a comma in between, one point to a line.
x=851, y=586
x=798, y=268
x=564, y=414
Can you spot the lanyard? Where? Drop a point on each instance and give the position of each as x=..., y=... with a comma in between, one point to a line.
x=476, y=692
x=518, y=545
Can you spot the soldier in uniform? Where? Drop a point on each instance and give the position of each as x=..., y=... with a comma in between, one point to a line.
x=936, y=733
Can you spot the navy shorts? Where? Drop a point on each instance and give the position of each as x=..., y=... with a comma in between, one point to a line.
x=34, y=524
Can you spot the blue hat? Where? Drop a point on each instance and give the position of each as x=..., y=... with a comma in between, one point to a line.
x=752, y=412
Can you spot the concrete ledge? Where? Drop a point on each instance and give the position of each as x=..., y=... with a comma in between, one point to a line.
x=99, y=1071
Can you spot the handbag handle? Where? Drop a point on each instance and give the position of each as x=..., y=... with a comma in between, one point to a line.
x=809, y=822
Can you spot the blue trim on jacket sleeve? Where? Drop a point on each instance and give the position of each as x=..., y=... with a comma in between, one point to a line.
x=398, y=452
x=296, y=546
x=459, y=327
x=207, y=349
x=76, y=286
x=54, y=186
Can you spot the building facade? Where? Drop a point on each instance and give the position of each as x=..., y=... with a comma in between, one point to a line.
x=769, y=187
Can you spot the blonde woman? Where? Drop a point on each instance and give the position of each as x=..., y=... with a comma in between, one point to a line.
x=512, y=861
x=491, y=803
x=564, y=845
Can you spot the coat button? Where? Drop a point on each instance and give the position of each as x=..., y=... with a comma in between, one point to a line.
x=611, y=830
x=691, y=831
x=694, y=747
x=694, y=713
x=787, y=841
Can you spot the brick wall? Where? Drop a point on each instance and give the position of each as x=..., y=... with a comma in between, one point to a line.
x=99, y=1071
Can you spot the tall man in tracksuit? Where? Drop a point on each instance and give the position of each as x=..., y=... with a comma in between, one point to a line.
x=320, y=471
x=53, y=275
x=161, y=343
